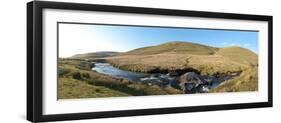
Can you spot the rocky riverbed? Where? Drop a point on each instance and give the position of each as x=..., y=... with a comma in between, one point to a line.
x=189, y=82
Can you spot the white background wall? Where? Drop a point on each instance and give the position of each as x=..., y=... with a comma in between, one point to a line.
x=13, y=61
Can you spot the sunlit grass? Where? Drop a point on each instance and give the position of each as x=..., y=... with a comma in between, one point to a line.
x=77, y=83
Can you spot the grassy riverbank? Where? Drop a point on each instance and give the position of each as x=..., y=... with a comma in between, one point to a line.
x=75, y=82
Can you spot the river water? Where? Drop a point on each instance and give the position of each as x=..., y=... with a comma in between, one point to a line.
x=106, y=68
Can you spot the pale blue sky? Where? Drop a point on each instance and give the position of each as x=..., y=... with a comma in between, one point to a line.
x=83, y=38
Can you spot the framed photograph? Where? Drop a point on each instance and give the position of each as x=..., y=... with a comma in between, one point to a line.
x=94, y=61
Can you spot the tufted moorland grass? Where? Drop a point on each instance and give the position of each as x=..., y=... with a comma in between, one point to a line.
x=77, y=83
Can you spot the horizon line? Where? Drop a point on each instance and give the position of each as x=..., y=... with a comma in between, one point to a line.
x=158, y=45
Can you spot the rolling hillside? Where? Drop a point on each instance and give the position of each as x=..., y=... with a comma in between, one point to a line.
x=181, y=56
x=240, y=55
x=185, y=55
x=174, y=47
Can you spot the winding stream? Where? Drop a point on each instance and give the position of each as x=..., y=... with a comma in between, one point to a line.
x=106, y=68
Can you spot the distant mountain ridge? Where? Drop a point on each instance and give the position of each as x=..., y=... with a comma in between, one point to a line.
x=100, y=54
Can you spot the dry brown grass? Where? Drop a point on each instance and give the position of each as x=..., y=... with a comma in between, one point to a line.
x=239, y=55
x=247, y=81
x=80, y=83
x=206, y=64
x=174, y=46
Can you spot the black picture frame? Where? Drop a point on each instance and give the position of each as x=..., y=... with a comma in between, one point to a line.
x=34, y=60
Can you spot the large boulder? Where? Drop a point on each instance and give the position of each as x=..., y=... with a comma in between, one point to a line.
x=189, y=88
x=190, y=82
x=191, y=77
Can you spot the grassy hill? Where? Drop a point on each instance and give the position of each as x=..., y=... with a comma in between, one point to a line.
x=185, y=55
x=239, y=55
x=175, y=47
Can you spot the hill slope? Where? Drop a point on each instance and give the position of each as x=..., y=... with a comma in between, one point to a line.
x=240, y=55
x=185, y=55
x=176, y=47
